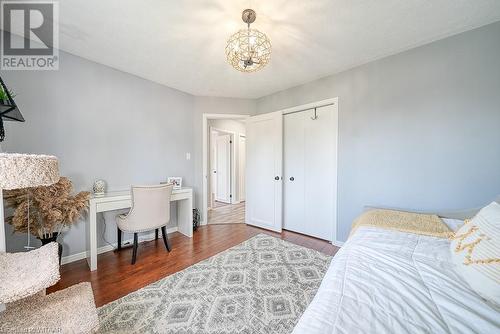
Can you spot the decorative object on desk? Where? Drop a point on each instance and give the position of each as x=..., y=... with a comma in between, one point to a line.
x=176, y=181
x=19, y=171
x=99, y=187
x=8, y=108
x=196, y=219
x=51, y=209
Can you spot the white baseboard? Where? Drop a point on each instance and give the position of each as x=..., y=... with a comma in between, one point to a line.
x=107, y=248
x=338, y=243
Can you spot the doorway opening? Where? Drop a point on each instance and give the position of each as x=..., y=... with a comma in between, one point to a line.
x=224, y=152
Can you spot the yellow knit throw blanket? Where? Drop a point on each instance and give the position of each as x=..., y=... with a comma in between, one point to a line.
x=402, y=221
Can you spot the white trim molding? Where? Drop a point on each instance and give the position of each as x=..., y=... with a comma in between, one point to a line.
x=338, y=243
x=312, y=105
x=205, y=173
x=113, y=246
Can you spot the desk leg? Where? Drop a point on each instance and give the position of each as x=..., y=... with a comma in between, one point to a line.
x=92, y=238
x=185, y=216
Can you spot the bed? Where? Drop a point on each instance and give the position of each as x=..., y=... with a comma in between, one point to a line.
x=384, y=281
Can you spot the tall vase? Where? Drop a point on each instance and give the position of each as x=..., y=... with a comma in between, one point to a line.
x=48, y=238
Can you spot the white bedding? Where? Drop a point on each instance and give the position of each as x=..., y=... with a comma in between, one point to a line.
x=384, y=281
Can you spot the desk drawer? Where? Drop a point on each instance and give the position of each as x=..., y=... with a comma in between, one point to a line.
x=114, y=205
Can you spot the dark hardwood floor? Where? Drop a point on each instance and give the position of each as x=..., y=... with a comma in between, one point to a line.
x=116, y=277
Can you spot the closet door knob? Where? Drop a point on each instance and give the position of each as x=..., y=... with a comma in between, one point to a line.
x=277, y=178
x=292, y=178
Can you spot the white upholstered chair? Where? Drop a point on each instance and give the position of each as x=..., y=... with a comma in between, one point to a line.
x=150, y=211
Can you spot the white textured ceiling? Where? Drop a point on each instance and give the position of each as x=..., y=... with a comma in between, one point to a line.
x=181, y=43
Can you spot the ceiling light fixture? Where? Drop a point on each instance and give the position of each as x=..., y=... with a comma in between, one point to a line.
x=248, y=50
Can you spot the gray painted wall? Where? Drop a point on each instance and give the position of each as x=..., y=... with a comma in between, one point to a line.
x=104, y=123
x=101, y=123
x=418, y=130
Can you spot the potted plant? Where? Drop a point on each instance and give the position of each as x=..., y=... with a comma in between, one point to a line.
x=4, y=97
x=51, y=209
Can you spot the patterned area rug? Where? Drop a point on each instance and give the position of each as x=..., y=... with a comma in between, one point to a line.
x=262, y=285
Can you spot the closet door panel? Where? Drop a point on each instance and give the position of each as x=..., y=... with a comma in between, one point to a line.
x=319, y=159
x=294, y=172
x=264, y=168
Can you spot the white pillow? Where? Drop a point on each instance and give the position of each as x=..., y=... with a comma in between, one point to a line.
x=475, y=250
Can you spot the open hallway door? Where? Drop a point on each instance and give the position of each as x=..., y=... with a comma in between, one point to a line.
x=223, y=161
x=264, y=140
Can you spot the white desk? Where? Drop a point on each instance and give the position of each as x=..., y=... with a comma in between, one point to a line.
x=117, y=200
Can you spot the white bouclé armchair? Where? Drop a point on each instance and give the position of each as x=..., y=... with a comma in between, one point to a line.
x=150, y=211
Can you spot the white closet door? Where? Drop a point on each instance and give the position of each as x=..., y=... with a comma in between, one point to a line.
x=223, y=147
x=320, y=166
x=264, y=140
x=293, y=160
x=310, y=159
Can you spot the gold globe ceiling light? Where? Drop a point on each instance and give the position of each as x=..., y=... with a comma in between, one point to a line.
x=248, y=50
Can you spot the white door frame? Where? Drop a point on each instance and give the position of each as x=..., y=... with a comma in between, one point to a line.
x=335, y=102
x=205, y=118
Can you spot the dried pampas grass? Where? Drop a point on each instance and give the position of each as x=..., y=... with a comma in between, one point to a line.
x=51, y=208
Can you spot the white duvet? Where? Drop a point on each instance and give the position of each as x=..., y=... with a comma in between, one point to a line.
x=384, y=281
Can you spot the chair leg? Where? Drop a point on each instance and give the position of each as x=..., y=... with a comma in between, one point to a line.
x=119, y=239
x=156, y=234
x=165, y=238
x=134, y=251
